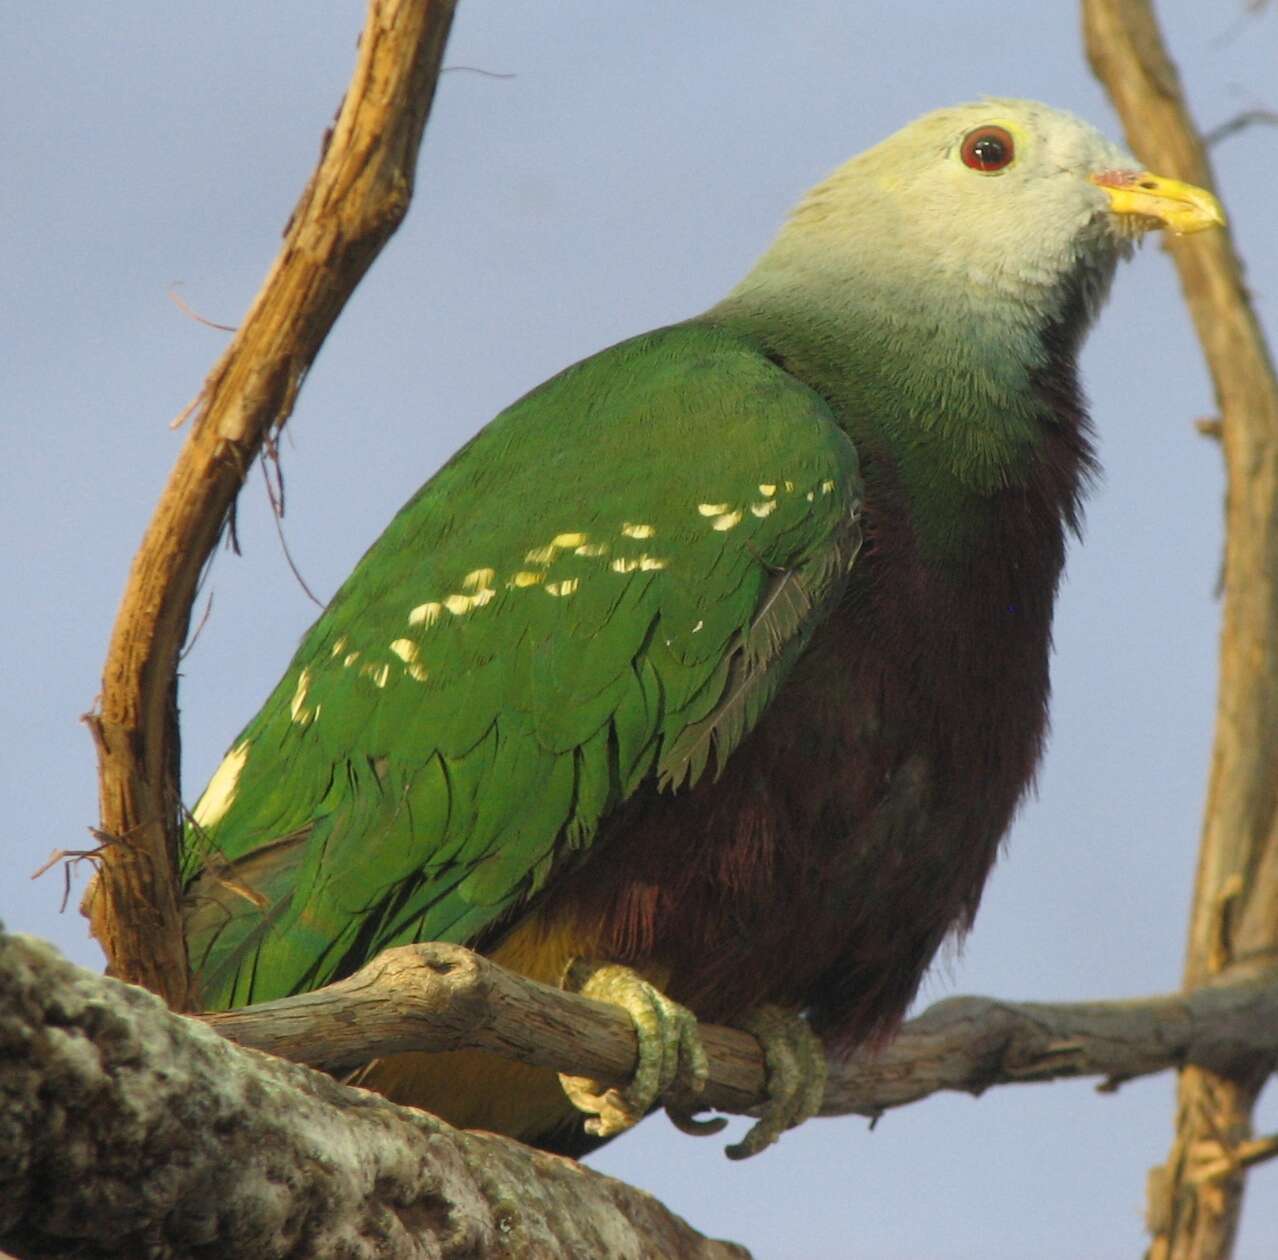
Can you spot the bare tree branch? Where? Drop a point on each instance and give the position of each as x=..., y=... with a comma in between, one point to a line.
x=356, y=198
x=1237, y=885
x=1240, y=122
x=129, y=1128
x=131, y=1131
x=440, y=997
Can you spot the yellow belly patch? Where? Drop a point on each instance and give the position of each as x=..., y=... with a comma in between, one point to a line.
x=473, y=1090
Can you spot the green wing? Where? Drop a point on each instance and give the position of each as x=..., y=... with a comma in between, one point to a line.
x=602, y=590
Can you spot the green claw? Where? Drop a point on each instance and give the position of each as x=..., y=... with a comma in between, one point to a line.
x=672, y=1065
x=671, y=1059
x=796, y=1067
x=683, y=1118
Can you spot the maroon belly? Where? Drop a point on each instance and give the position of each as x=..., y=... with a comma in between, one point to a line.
x=848, y=835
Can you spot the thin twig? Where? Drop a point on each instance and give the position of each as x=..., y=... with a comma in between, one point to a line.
x=180, y=302
x=199, y=629
x=270, y=458
x=1240, y=122
x=487, y=74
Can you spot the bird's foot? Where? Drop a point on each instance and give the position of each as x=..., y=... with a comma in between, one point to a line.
x=796, y=1069
x=671, y=1064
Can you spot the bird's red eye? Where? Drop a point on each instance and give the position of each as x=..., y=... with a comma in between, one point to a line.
x=988, y=149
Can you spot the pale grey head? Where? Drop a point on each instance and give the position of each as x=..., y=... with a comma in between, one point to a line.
x=999, y=201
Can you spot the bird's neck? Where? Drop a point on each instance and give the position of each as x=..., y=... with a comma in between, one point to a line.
x=956, y=394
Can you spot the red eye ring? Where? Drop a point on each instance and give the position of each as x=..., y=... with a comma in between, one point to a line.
x=988, y=149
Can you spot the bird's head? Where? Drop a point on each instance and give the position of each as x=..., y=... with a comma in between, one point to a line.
x=997, y=197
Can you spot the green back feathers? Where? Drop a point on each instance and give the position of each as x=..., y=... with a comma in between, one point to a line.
x=603, y=589
x=956, y=418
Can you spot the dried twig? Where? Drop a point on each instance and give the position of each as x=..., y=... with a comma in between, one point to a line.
x=271, y=467
x=1240, y=122
x=181, y=303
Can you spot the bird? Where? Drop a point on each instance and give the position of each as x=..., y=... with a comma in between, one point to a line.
x=709, y=676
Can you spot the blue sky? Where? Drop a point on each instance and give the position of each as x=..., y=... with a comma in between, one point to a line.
x=626, y=176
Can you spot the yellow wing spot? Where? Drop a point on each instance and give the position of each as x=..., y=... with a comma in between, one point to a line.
x=425, y=614
x=566, y=587
x=460, y=604
x=477, y=578
x=418, y=672
x=645, y=563
x=789, y=486
x=298, y=708
x=713, y=509
x=560, y=542
x=380, y=674
x=405, y=649
x=591, y=550
x=728, y=521
x=767, y=490
x=638, y=531
x=827, y=487
x=350, y=659
x=220, y=792
x=339, y=647
x=766, y=508
x=526, y=577
x=811, y=495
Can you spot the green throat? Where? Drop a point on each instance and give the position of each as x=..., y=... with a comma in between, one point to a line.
x=949, y=402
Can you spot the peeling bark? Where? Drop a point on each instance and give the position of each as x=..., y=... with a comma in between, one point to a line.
x=127, y=1130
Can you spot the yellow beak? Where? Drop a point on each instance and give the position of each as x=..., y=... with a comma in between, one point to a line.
x=1182, y=208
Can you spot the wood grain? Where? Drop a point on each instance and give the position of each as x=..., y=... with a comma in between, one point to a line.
x=443, y=997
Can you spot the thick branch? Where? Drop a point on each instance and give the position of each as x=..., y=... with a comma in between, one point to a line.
x=131, y=1131
x=350, y=208
x=443, y=997
x=1237, y=885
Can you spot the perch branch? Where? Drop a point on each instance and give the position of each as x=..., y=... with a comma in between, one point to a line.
x=1237, y=883
x=354, y=201
x=132, y=1131
x=443, y=997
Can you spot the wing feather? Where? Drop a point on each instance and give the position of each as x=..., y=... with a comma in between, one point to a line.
x=598, y=596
